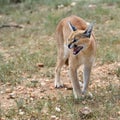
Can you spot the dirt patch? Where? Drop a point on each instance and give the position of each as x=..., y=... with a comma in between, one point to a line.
x=101, y=77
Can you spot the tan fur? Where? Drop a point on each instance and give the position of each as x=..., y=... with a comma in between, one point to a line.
x=86, y=56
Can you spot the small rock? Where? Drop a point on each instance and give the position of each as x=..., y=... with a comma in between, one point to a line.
x=60, y=6
x=12, y=96
x=118, y=64
x=32, y=95
x=8, y=90
x=31, y=99
x=8, y=83
x=20, y=88
x=68, y=88
x=83, y=102
x=41, y=97
x=51, y=88
x=47, y=80
x=40, y=65
x=2, y=118
x=43, y=83
x=2, y=92
x=21, y=112
x=53, y=117
x=85, y=112
x=92, y=6
x=119, y=113
x=57, y=109
x=73, y=4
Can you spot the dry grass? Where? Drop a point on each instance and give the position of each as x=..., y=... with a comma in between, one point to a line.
x=28, y=57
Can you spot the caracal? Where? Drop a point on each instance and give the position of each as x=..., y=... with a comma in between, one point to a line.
x=76, y=45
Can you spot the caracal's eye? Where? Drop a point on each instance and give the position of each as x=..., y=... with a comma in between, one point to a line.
x=75, y=40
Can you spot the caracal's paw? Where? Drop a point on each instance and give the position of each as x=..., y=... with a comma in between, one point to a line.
x=87, y=94
x=58, y=85
x=77, y=94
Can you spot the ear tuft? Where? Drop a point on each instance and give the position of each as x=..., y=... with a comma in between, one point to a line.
x=88, y=31
x=73, y=28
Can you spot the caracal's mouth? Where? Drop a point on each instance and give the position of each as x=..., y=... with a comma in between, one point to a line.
x=77, y=49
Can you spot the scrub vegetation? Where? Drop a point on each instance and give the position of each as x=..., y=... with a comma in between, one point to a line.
x=28, y=57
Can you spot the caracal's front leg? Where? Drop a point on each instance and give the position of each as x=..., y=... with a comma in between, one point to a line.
x=74, y=80
x=86, y=77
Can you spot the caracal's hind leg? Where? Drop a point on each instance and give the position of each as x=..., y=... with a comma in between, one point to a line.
x=60, y=62
x=58, y=82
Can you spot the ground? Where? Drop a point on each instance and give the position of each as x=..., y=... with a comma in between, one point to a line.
x=28, y=57
x=41, y=88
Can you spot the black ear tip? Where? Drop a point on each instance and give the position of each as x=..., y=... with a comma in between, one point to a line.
x=87, y=34
x=71, y=26
x=88, y=31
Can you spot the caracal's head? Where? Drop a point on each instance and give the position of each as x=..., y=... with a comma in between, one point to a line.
x=79, y=40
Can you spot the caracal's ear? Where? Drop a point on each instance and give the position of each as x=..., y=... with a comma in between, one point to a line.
x=72, y=28
x=88, y=31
